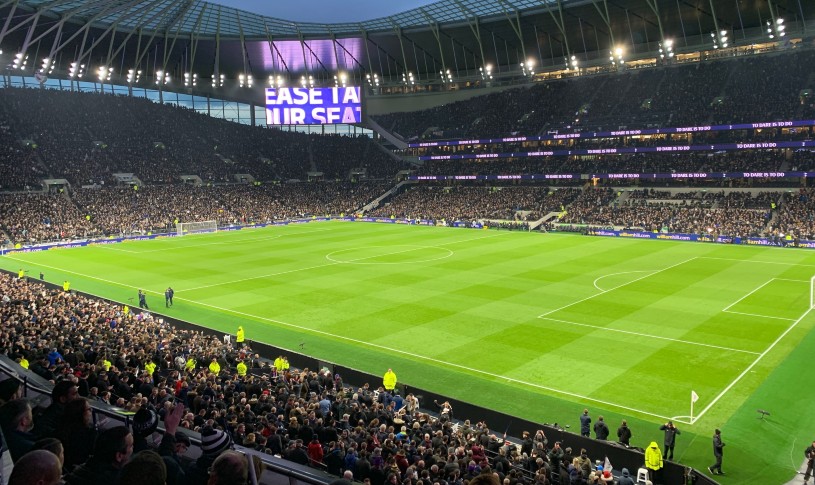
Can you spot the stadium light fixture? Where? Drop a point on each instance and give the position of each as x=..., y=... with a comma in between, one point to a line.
x=776, y=28
x=719, y=39
x=133, y=76
x=104, y=73
x=341, y=79
x=20, y=60
x=190, y=79
x=486, y=72
x=373, y=80
x=47, y=66
x=666, y=48
x=76, y=70
x=527, y=68
x=217, y=81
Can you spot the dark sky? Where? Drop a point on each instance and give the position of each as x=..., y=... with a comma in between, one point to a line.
x=325, y=10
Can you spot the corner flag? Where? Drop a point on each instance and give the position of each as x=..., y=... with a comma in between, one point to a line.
x=693, y=396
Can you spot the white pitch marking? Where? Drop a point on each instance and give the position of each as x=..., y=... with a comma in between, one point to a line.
x=750, y=367
x=748, y=294
x=615, y=274
x=757, y=261
x=659, y=337
x=620, y=286
x=760, y=316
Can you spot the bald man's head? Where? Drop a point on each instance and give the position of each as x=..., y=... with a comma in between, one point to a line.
x=38, y=467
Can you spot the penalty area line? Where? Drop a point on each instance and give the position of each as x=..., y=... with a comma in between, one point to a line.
x=657, y=337
x=750, y=367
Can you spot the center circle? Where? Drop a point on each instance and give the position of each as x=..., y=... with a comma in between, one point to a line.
x=391, y=254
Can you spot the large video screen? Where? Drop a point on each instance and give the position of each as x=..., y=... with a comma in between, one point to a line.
x=313, y=106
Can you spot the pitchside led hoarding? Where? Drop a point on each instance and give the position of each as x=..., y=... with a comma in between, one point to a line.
x=313, y=106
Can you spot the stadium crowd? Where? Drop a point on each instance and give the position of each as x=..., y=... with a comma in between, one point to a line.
x=744, y=89
x=87, y=137
x=95, y=350
x=35, y=217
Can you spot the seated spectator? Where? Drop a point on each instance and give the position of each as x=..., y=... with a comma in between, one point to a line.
x=38, y=467
x=112, y=451
x=17, y=421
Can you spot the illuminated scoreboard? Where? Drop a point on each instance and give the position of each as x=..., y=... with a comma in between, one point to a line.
x=313, y=106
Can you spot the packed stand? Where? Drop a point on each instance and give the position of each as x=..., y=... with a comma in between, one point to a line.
x=87, y=137
x=118, y=211
x=678, y=95
x=468, y=203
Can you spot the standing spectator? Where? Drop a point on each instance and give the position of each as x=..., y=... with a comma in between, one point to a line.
x=810, y=456
x=143, y=300
x=718, y=451
x=315, y=452
x=624, y=434
x=601, y=429
x=670, y=439
x=653, y=462
x=585, y=424
x=389, y=380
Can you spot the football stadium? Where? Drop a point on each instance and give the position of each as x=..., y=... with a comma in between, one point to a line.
x=473, y=242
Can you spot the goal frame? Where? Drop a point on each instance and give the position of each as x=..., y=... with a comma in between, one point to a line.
x=200, y=227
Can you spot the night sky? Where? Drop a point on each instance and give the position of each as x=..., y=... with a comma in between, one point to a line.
x=329, y=11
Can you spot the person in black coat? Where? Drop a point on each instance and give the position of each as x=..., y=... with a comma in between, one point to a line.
x=624, y=434
x=601, y=429
x=113, y=449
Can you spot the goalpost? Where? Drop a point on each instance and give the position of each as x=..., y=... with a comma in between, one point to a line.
x=812, y=292
x=184, y=228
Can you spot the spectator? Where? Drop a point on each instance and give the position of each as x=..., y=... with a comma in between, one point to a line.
x=38, y=467
x=112, y=451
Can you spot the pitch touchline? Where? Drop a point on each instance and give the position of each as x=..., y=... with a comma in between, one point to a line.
x=619, y=286
x=638, y=334
x=325, y=265
x=368, y=344
x=758, y=359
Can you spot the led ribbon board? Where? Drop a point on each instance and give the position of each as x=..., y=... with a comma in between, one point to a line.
x=313, y=106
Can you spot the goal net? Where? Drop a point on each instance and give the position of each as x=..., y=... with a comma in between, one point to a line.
x=184, y=228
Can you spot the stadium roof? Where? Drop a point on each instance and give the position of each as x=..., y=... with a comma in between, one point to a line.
x=462, y=36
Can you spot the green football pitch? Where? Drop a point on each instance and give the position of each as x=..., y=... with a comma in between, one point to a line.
x=534, y=325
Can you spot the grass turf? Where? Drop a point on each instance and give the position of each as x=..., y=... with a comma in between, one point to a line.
x=533, y=325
